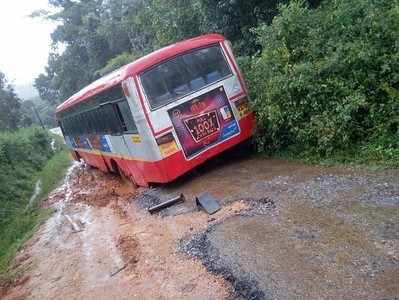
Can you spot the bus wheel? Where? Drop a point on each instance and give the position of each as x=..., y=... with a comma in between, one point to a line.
x=76, y=156
x=114, y=168
x=126, y=179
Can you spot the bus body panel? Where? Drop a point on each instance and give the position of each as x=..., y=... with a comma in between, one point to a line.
x=169, y=168
x=140, y=155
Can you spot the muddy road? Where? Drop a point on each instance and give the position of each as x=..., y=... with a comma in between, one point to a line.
x=285, y=231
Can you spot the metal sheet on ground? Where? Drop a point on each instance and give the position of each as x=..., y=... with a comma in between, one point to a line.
x=208, y=203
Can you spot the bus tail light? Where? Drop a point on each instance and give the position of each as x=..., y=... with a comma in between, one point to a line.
x=167, y=145
x=243, y=107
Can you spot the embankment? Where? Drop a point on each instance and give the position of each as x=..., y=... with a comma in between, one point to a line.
x=26, y=157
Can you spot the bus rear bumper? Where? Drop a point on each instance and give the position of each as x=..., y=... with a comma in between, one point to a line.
x=177, y=165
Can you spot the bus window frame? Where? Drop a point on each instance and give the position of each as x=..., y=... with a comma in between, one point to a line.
x=231, y=74
x=113, y=104
x=120, y=129
x=116, y=107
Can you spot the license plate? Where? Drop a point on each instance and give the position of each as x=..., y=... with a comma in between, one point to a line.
x=203, y=126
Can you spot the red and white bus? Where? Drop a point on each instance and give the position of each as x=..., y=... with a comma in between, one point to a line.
x=163, y=114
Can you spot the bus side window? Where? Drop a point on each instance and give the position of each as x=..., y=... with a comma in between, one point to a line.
x=83, y=120
x=74, y=125
x=105, y=113
x=110, y=119
x=126, y=117
x=98, y=122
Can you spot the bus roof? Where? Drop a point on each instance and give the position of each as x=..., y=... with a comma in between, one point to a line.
x=137, y=67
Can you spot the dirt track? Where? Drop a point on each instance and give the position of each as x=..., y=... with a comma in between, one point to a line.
x=285, y=231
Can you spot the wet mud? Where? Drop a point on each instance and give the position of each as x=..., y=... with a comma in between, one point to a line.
x=285, y=231
x=100, y=244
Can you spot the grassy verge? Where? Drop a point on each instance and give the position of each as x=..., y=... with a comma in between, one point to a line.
x=369, y=157
x=21, y=226
x=54, y=172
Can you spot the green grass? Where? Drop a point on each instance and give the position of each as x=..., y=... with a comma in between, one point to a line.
x=54, y=172
x=369, y=157
x=22, y=225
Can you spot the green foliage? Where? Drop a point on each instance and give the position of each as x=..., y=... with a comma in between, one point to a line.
x=11, y=115
x=14, y=233
x=46, y=85
x=22, y=154
x=235, y=19
x=53, y=172
x=45, y=110
x=175, y=20
x=95, y=36
x=117, y=62
x=327, y=79
x=25, y=157
x=22, y=223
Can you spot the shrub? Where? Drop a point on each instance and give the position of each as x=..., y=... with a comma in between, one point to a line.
x=327, y=79
x=25, y=157
x=22, y=154
x=22, y=222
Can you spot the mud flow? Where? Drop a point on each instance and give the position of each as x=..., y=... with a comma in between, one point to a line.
x=285, y=231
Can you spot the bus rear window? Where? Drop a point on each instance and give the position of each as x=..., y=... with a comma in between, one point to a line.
x=184, y=74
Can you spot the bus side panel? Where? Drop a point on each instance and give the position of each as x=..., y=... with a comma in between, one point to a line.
x=131, y=151
x=142, y=146
x=121, y=153
x=169, y=168
x=93, y=159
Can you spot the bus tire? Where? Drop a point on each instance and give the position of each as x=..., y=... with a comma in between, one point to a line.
x=76, y=156
x=118, y=171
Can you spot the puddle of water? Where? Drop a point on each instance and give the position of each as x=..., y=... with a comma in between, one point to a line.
x=55, y=221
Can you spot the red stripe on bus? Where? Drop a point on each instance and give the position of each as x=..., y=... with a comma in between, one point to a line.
x=163, y=131
x=137, y=67
x=239, y=95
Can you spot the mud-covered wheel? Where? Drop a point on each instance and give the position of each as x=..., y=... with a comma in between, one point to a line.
x=76, y=156
x=126, y=179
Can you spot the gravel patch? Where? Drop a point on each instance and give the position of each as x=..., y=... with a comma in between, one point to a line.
x=244, y=285
x=354, y=234
x=327, y=188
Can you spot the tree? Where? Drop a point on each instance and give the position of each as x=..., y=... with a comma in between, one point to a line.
x=11, y=116
x=236, y=19
x=96, y=36
x=90, y=33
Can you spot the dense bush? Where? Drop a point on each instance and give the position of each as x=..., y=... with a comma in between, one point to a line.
x=25, y=157
x=327, y=79
x=22, y=154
